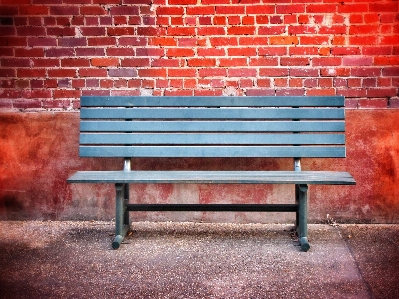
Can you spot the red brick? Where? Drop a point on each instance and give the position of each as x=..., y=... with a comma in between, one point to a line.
x=128, y=10
x=334, y=29
x=63, y=73
x=314, y=40
x=260, y=92
x=72, y=42
x=57, y=104
x=303, y=51
x=33, y=10
x=135, y=62
x=104, y=61
x=167, y=10
x=365, y=71
x=87, y=72
x=153, y=72
x=301, y=29
x=212, y=72
x=272, y=51
x=60, y=31
x=355, y=61
x=230, y=10
x=273, y=72
x=117, y=31
x=271, y=30
x=150, y=52
x=320, y=92
x=201, y=62
x=132, y=41
x=223, y=41
x=182, y=72
x=101, y=41
x=64, y=10
x=390, y=71
x=246, y=52
x=31, y=73
x=326, y=61
x=165, y=62
x=363, y=29
x=15, y=62
x=241, y=72
x=290, y=92
x=290, y=61
x=42, y=41
x=321, y=8
x=27, y=104
x=123, y=72
x=93, y=10
x=335, y=72
x=120, y=51
x=75, y=62
x=284, y=40
x=373, y=103
x=289, y=9
x=181, y=31
x=211, y=52
x=201, y=10
x=92, y=31
x=351, y=8
x=304, y=72
x=390, y=40
x=226, y=62
x=180, y=52
x=262, y=19
x=31, y=31
x=363, y=40
x=345, y=51
x=241, y=30
x=250, y=41
x=383, y=7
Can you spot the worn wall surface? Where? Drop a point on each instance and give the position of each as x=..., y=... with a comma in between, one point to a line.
x=53, y=52
x=38, y=151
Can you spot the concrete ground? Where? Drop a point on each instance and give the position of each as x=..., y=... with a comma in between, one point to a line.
x=197, y=260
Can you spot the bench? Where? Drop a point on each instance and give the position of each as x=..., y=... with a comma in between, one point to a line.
x=206, y=127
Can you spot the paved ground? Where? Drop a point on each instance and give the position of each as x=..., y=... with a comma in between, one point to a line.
x=197, y=260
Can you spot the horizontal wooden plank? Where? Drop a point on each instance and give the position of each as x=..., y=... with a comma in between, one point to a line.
x=213, y=151
x=212, y=113
x=215, y=177
x=209, y=138
x=212, y=126
x=272, y=101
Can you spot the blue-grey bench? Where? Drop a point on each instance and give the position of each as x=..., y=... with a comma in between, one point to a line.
x=205, y=127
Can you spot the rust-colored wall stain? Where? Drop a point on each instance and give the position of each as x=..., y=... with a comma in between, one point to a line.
x=38, y=151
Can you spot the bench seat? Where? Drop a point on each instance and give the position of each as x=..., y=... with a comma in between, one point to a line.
x=215, y=177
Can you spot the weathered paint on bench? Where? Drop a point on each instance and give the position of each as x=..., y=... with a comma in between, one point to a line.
x=200, y=127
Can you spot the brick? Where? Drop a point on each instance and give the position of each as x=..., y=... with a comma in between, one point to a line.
x=153, y=72
x=230, y=10
x=200, y=10
x=365, y=72
x=223, y=41
x=64, y=10
x=273, y=72
x=167, y=10
x=33, y=10
x=373, y=103
x=314, y=40
x=118, y=31
x=304, y=72
x=75, y=62
x=290, y=92
x=92, y=31
x=201, y=62
x=182, y=72
x=31, y=31
x=93, y=10
x=101, y=41
x=211, y=52
x=284, y=40
x=62, y=73
x=290, y=61
x=326, y=61
x=180, y=52
x=165, y=62
x=60, y=31
x=135, y=62
x=363, y=29
x=132, y=41
x=363, y=40
x=123, y=10
x=250, y=41
x=181, y=31
x=272, y=51
x=104, y=61
x=123, y=72
x=72, y=42
x=390, y=71
x=88, y=72
x=241, y=72
x=15, y=62
x=156, y=52
x=27, y=104
x=260, y=92
x=241, y=30
x=303, y=51
x=245, y=52
x=386, y=60
x=262, y=19
x=301, y=29
x=290, y=9
x=57, y=104
x=35, y=73
x=321, y=8
x=173, y=93
x=334, y=29
x=226, y=62
x=353, y=8
x=42, y=41
x=345, y=51
x=335, y=72
x=120, y=52
x=271, y=30
x=355, y=61
x=383, y=7
x=212, y=72
x=389, y=40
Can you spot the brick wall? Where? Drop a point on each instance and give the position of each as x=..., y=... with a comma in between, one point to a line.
x=54, y=51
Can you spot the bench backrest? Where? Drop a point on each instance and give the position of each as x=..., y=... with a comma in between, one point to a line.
x=212, y=127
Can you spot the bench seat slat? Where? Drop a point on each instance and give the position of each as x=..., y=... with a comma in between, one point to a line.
x=212, y=126
x=219, y=177
x=208, y=101
x=213, y=151
x=209, y=138
x=212, y=113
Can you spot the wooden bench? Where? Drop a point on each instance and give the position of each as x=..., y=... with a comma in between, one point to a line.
x=202, y=127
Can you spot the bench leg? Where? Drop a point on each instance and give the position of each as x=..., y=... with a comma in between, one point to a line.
x=121, y=227
x=302, y=216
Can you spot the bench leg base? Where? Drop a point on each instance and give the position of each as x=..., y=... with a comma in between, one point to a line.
x=121, y=214
x=304, y=244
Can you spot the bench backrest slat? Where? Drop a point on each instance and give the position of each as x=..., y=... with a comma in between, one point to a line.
x=212, y=127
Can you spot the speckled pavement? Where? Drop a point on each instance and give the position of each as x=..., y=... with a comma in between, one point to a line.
x=54, y=259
